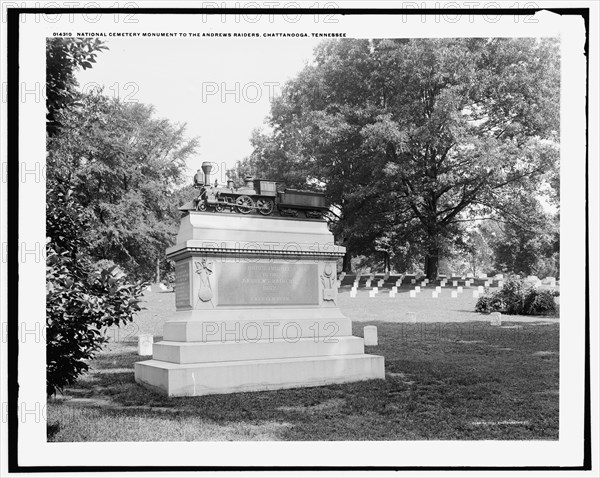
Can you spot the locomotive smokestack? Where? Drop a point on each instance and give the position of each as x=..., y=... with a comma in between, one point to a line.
x=206, y=169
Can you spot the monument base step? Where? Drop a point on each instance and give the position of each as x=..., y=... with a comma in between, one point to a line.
x=255, y=375
x=204, y=352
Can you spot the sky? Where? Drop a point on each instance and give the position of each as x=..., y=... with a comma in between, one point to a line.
x=219, y=87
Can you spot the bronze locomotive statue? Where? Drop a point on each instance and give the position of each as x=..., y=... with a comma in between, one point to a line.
x=258, y=195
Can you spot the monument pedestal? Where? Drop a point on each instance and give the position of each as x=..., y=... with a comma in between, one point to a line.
x=257, y=309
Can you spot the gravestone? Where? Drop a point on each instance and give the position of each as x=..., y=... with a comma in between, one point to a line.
x=438, y=289
x=395, y=289
x=372, y=294
x=496, y=319
x=480, y=289
x=459, y=289
x=368, y=283
x=454, y=294
x=551, y=281
x=145, y=342
x=392, y=294
x=370, y=333
x=412, y=294
x=454, y=283
x=353, y=294
x=434, y=295
x=256, y=309
x=417, y=289
x=413, y=281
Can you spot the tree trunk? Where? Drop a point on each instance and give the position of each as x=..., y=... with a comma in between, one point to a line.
x=431, y=267
x=347, y=263
x=432, y=261
x=386, y=262
x=157, y=278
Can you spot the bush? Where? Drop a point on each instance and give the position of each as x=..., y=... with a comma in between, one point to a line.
x=541, y=302
x=489, y=303
x=80, y=304
x=81, y=301
x=518, y=297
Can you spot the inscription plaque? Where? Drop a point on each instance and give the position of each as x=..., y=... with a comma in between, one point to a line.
x=268, y=284
x=182, y=285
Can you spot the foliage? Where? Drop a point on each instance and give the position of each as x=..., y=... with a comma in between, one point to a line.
x=478, y=251
x=123, y=165
x=517, y=297
x=63, y=57
x=80, y=300
x=530, y=248
x=423, y=132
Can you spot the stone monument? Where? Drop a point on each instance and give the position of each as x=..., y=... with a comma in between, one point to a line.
x=256, y=309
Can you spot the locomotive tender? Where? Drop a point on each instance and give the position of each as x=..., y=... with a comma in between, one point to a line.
x=258, y=195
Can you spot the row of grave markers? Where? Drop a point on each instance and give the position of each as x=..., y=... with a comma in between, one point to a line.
x=469, y=277
x=413, y=293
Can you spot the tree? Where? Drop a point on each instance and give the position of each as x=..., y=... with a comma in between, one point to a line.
x=478, y=251
x=81, y=300
x=530, y=249
x=63, y=57
x=434, y=130
x=123, y=165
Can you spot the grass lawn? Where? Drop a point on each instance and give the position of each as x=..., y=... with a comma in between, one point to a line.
x=444, y=380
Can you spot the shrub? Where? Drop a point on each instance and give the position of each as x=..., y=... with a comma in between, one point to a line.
x=79, y=304
x=489, y=303
x=518, y=297
x=540, y=302
x=81, y=301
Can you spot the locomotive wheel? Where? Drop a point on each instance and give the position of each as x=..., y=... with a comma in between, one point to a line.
x=219, y=208
x=265, y=206
x=244, y=204
x=201, y=205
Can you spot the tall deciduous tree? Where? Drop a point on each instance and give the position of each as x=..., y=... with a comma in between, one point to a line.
x=429, y=132
x=81, y=300
x=123, y=165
